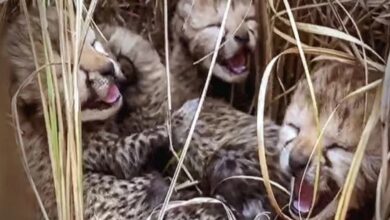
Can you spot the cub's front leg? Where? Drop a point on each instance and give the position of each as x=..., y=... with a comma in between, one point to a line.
x=109, y=153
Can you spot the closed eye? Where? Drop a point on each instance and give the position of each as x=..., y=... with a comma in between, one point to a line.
x=336, y=146
x=218, y=25
x=250, y=18
x=288, y=142
x=297, y=129
x=252, y=31
x=292, y=134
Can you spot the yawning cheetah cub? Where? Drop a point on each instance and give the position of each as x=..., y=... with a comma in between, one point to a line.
x=195, y=27
x=332, y=82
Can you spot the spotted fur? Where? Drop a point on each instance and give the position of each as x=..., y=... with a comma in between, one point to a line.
x=223, y=134
x=115, y=185
x=225, y=145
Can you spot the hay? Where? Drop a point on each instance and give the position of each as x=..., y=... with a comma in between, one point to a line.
x=294, y=35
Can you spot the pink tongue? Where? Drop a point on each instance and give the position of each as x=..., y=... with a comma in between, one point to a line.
x=112, y=95
x=303, y=196
x=238, y=62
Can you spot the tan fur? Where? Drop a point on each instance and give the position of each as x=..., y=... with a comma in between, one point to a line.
x=21, y=57
x=195, y=27
x=332, y=81
x=145, y=95
x=223, y=134
x=115, y=185
x=223, y=145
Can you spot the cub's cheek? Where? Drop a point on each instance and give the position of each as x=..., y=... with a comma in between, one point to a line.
x=284, y=159
x=82, y=87
x=340, y=164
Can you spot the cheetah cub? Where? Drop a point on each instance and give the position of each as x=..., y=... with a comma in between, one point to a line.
x=115, y=184
x=99, y=77
x=195, y=27
x=332, y=81
x=224, y=145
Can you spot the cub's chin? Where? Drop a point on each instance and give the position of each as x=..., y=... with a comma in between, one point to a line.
x=302, y=204
x=102, y=108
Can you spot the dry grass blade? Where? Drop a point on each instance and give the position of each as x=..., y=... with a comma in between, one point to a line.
x=303, y=58
x=64, y=147
x=382, y=209
x=311, y=89
x=15, y=113
x=197, y=201
x=168, y=72
x=303, y=7
x=55, y=128
x=82, y=26
x=19, y=138
x=355, y=165
x=169, y=95
x=331, y=53
x=288, y=38
x=260, y=133
x=197, y=113
x=330, y=32
x=364, y=61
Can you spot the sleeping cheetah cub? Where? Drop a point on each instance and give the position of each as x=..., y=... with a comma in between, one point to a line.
x=195, y=27
x=115, y=184
x=332, y=82
x=225, y=145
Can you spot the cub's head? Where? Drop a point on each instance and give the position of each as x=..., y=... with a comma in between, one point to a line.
x=298, y=135
x=98, y=74
x=196, y=25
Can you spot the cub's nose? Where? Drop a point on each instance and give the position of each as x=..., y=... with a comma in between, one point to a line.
x=297, y=162
x=242, y=37
x=109, y=70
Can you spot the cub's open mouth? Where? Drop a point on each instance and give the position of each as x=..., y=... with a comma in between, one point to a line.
x=111, y=98
x=302, y=197
x=237, y=64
